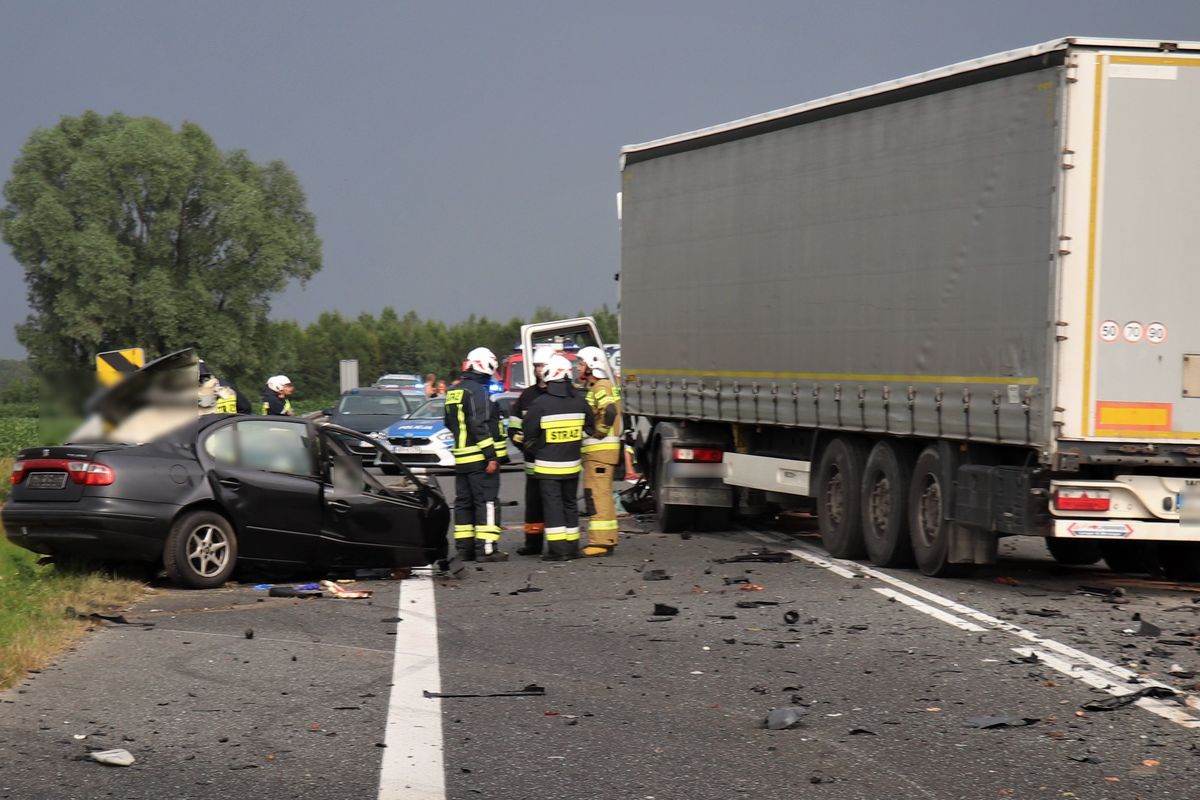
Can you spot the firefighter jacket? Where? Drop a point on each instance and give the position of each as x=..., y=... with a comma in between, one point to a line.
x=516, y=425
x=272, y=403
x=499, y=431
x=555, y=425
x=604, y=399
x=468, y=417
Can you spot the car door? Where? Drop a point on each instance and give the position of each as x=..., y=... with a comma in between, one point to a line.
x=563, y=334
x=264, y=473
x=371, y=519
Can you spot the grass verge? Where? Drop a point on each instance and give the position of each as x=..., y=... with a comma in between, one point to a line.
x=34, y=626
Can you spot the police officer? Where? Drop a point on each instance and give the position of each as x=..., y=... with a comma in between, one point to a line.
x=555, y=426
x=476, y=501
x=535, y=525
x=275, y=397
x=600, y=453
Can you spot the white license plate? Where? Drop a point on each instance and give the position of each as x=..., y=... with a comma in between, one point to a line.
x=407, y=451
x=47, y=480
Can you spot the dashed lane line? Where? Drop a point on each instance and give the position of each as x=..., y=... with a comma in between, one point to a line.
x=1079, y=665
x=413, y=762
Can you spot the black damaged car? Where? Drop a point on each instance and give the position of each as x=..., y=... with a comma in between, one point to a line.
x=222, y=491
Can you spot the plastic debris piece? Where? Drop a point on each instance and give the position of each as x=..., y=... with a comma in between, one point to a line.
x=262, y=587
x=1085, y=759
x=1001, y=721
x=249, y=633
x=342, y=593
x=1145, y=629
x=664, y=610
x=292, y=591
x=309, y=586
x=756, y=603
x=656, y=575
x=1150, y=762
x=115, y=758
x=791, y=617
x=1122, y=700
x=765, y=556
x=784, y=718
x=751, y=587
x=1005, y=580
x=862, y=732
x=1044, y=612
x=530, y=690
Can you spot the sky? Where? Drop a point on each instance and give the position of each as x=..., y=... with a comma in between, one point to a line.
x=462, y=157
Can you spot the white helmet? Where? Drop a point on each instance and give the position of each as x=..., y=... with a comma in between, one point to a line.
x=542, y=353
x=558, y=368
x=276, y=382
x=593, y=358
x=482, y=360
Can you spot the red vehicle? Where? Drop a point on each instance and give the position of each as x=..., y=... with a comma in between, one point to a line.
x=512, y=372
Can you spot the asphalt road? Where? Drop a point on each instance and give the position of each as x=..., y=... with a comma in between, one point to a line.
x=890, y=669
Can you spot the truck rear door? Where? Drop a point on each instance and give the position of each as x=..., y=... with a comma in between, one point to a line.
x=1141, y=365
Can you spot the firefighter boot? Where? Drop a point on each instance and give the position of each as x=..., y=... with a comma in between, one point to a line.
x=534, y=540
x=594, y=550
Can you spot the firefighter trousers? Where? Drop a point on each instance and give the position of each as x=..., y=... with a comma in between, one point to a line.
x=561, y=514
x=598, y=496
x=535, y=522
x=476, y=510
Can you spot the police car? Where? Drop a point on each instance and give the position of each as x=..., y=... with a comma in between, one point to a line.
x=422, y=440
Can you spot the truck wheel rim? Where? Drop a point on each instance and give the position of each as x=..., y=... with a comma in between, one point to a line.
x=834, y=498
x=929, y=511
x=880, y=503
x=207, y=550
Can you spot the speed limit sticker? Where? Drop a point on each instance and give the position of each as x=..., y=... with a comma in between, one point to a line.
x=1133, y=331
x=1109, y=330
x=1156, y=333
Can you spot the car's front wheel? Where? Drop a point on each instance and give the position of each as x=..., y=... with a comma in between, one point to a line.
x=201, y=550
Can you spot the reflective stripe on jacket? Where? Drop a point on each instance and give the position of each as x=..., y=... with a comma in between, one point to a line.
x=467, y=418
x=555, y=425
x=605, y=444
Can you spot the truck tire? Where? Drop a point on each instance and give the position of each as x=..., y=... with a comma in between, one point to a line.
x=1074, y=552
x=671, y=518
x=1180, y=561
x=839, y=512
x=1131, y=557
x=929, y=499
x=885, y=483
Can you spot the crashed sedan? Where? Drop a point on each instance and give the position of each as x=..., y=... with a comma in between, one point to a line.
x=224, y=491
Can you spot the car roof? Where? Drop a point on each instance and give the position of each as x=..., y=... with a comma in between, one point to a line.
x=372, y=391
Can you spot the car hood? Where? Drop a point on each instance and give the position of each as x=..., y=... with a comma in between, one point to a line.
x=416, y=427
x=363, y=423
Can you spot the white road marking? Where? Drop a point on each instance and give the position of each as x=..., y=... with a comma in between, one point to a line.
x=1102, y=674
x=936, y=613
x=413, y=761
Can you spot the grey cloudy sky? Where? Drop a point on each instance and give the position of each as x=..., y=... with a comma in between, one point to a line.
x=462, y=157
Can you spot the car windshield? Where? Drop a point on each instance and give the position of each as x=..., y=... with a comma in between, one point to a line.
x=430, y=409
x=399, y=380
x=393, y=405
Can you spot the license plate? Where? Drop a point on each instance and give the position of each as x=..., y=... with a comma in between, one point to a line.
x=47, y=480
x=406, y=451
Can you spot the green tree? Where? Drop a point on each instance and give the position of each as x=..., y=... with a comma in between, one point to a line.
x=135, y=234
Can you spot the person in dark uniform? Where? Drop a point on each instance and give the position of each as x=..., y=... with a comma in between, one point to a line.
x=535, y=523
x=554, y=428
x=476, y=501
x=275, y=396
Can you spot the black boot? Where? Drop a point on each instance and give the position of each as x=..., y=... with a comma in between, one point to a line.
x=533, y=545
x=467, y=552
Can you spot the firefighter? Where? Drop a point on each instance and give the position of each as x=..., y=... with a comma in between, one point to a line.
x=275, y=396
x=601, y=452
x=535, y=525
x=554, y=427
x=476, y=501
x=219, y=396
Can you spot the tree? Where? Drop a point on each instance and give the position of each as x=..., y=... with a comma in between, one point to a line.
x=134, y=234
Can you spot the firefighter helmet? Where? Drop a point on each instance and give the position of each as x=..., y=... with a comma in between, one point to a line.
x=593, y=358
x=558, y=368
x=482, y=360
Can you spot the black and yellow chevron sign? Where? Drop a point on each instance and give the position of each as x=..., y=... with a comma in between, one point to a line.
x=114, y=365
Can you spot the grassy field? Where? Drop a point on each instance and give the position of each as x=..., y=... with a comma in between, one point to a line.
x=34, y=626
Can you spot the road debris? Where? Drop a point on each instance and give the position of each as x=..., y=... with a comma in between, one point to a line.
x=765, y=556
x=791, y=617
x=756, y=603
x=1143, y=629
x=1122, y=700
x=1001, y=721
x=115, y=758
x=784, y=718
x=530, y=690
x=664, y=610
x=656, y=575
x=342, y=593
x=293, y=591
x=1044, y=612
x=751, y=587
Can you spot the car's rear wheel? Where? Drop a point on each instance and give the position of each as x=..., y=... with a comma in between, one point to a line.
x=201, y=550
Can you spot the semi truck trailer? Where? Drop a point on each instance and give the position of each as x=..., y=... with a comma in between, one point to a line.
x=937, y=311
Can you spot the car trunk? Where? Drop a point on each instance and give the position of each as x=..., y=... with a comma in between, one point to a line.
x=60, y=474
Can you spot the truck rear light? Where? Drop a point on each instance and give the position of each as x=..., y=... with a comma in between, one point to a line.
x=704, y=455
x=84, y=473
x=1082, y=500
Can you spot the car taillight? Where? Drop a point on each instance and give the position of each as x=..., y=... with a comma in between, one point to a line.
x=707, y=455
x=1082, y=500
x=84, y=473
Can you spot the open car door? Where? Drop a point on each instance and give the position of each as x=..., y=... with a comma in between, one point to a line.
x=373, y=519
x=566, y=335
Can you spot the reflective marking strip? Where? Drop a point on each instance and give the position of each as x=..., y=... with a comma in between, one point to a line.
x=1093, y=206
x=491, y=513
x=488, y=442
x=540, y=470
x=567, y=424
x=561, y=417
x=556, y=534
x=487, y=534
x=572, y=535
x=551, y=464
x=1133, y=416
x=936, y=613
x=413, y=767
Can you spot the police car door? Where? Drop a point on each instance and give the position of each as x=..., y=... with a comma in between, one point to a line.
x=567, y=336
